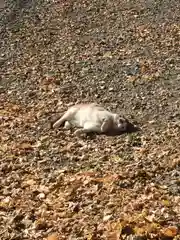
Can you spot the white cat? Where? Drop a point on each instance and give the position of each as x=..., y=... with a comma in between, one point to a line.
x=91, y=118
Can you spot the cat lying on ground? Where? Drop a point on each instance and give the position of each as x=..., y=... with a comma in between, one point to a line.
x=91, y=118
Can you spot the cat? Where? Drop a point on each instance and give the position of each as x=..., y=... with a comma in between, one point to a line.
x=91, y=118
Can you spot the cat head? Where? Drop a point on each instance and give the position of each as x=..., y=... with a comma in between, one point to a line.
x=120, y=123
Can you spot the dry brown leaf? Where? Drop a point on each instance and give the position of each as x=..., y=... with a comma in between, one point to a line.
x=131, y=78
x=29, y=182
x=139, y=230
x=175, y=162
x=87, y=174
x=149, y=218
x=4, y=148
x=144, y=69
x=114, y=236
x=114, y=226
x=40, y=224
x=147, y=77
x=48, y=80
x=26, y=146
x=107, y=55
x=171, y=231
x=107, y=217
x=16, y=108
x=107, y=179
x=166, y=203
x=53, y=236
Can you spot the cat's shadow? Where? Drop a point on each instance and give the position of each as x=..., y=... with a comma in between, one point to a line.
x=131, y=128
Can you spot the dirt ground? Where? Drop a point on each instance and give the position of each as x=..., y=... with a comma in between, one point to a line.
x=122, y=54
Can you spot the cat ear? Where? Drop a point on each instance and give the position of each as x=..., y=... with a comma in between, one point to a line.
x=123, y=123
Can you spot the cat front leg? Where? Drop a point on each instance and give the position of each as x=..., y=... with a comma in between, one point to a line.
x=89, y=127
x=106, y=125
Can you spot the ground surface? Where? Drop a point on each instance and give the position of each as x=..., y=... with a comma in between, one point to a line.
x=122, y=54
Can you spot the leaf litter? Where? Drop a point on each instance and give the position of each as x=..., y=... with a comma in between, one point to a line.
x=122, y=54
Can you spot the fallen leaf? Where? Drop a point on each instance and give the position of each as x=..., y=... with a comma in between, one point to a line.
x=149, y=218
x=53, y=236
x=114, y=236
x=107, y=55
x=40, y=224
x=30, y=182
x=26, y=146
x=170, y=231
x=131, y=78
x=16, y=108
x=144, y=69
x=139, y=230
x=146, y=77
x=166, y=203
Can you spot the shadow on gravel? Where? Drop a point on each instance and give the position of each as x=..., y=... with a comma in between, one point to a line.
x=131, y=128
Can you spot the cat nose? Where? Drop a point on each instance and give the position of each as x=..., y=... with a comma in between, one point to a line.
x=120, y=125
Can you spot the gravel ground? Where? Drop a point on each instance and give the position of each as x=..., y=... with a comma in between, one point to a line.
x=122, y=54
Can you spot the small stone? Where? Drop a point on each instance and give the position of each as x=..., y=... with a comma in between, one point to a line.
x=152, y=121
x=110, y=204
x=7, y=199
x=41, y=196
x=107, y=218
x=60, y=103
x=102, y=87
x=111, y=89
x=44, y=138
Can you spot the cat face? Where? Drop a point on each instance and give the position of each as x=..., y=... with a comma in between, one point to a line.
x=120, y=123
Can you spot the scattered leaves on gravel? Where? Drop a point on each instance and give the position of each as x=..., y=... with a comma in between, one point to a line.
x=123, y=54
